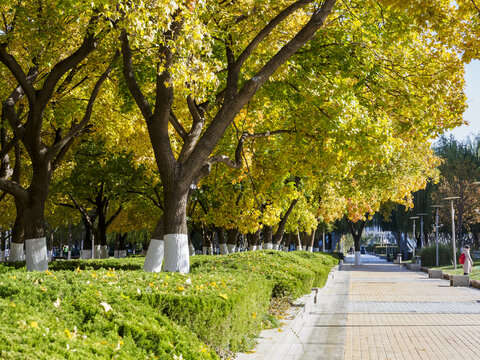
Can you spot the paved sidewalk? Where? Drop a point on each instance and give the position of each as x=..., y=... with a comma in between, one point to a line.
x=380, y=311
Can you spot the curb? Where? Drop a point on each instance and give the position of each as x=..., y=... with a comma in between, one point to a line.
x=271, y=341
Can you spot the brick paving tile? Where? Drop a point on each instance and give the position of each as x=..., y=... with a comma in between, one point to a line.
x=402, y=315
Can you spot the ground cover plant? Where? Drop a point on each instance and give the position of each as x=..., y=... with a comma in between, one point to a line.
x=107, y=309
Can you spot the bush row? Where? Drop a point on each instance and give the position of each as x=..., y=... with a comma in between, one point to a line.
x=106, y=309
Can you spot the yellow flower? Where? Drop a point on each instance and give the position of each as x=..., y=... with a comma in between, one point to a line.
x=124, y=296
x=93, y=275
x=68, y=333
x=167, y=277
x=203, y=349
x=78, y=270
x=224, y=296
x=180, y=288
x=48, y=272
x=34, y=324
x=213, y=284
x=254, y=315
x=43, y=288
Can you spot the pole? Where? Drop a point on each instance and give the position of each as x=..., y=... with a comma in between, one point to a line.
x=453, y=236
x=323, y=241
x=436, y=236
x=421, y=232
x=414, y=240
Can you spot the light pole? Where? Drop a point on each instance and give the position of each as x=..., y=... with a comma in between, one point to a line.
x=421, y=228
x=436, y=207
x=451, y=198
x=414, y=237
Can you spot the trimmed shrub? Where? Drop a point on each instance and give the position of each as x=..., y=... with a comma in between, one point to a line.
x=428, y=255
x=103, y=309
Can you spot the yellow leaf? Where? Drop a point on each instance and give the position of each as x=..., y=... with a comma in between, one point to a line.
x=224, y=296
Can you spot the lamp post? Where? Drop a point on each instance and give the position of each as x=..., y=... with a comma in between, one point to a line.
x=414, y=237
x=451, y=198
x=421, y=228
x=436, y=207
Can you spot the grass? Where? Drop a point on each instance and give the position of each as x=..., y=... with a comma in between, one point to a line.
x=105, y=309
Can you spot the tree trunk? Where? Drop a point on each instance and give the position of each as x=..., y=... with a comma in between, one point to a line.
x=3, y=242
x=268, y=238
x=357, y=236
x=154, y=258
x=311, y=241
x=175, y=224
x=222, y=241
x=232, y=236
x=288, y=241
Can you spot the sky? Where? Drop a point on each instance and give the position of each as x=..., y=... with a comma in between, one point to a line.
x=472, y=114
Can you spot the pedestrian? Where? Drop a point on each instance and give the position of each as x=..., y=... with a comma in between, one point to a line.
x=468, y=264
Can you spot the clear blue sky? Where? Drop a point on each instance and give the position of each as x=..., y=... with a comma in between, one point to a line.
x=472, y=115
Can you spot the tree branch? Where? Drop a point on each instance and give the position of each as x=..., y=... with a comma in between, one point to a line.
x=130, y=79
x=114, y=216
x=14, y=189
x=195, y=131
x=67, y=140
x=11, y=63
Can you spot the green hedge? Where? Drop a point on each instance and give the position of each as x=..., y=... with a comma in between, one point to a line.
x=445, y=255
x=111, y=308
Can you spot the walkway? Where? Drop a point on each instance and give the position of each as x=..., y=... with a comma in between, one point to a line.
x=381, y=311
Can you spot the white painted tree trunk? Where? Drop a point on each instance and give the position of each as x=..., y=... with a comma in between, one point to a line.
x=316, y=249
x=2, y=256
x=358, y=258
x=253, y=247
x=69, y=255
x=104, y=252
x=36, y=254
x=223, y=249
x=275, y=246
x=268, y=246
x=97, y=250
x=85, y=254
x=16, y=252
x=299, y=248
x=286, y=248
x=192, y=250
x=154, y=257
x=310, y=249
x=120, y=254
x=205, y=250
x=176, y=253
x=231, y=248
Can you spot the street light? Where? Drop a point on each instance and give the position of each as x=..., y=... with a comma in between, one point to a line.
x=414, y=237
x=451, y=198
x=436, y=207
x=421, y=228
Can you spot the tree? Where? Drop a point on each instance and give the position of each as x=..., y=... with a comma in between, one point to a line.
x=34, y=38
x=179, y=172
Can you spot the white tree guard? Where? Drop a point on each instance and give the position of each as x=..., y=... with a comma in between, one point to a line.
x=96, y=251
x=268, y=246
x=36, y=254
x=104, y=252
x=16, y=252
x=205, y=250
x=231, y=248
x=223, y=249
x=192, y=250
x=154, y=257
x=316, y=249
x=176, y=253
x=358, y=258
x=253, y=248
x=310, y=249
x=85, y=254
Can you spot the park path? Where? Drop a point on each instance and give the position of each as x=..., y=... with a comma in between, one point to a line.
x=380, y=311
